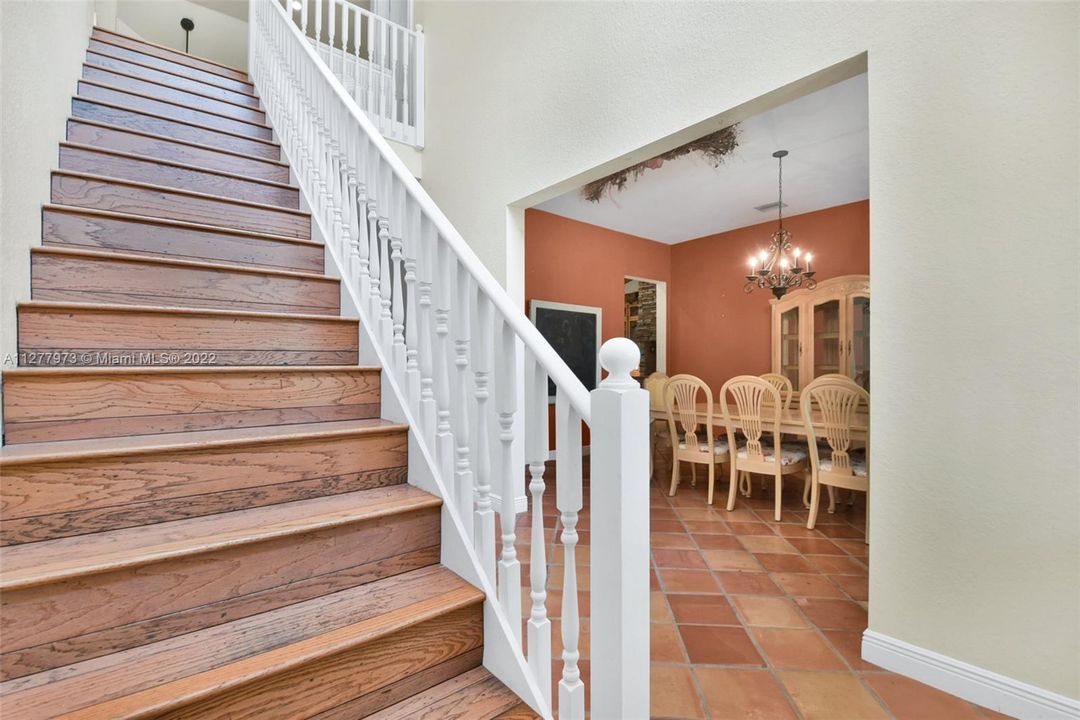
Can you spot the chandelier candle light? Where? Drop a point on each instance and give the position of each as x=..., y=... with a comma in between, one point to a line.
x=778, y=268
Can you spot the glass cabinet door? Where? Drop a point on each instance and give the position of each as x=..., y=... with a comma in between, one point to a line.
x=789, y=346
x=826, y=337
x=859, y=342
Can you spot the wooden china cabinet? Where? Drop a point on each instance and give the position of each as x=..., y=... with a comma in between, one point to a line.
x=824, y=330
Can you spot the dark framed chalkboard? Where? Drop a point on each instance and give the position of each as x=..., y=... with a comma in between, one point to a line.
x=574, y=332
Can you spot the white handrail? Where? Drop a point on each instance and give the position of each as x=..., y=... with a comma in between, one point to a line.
x=559, y=372
x=440, y=322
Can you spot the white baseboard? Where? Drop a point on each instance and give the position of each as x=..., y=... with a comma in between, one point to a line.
x=982, y=687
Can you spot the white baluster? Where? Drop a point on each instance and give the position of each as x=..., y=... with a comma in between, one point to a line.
x=568, y=499
x=427, y=262
x=506, y=405
x=384, y=91
x=411, y=238
x=444, y=441
x=386, y=318
x=356, y=58
x=394, y=49
x=397, y=310
x=330, y=27
x=619, y=503
x=536, y=443
x=303, y=16
x=318, y=22
x=343, y=51
x=374, y=262
x=463, y=475
x=370, y=105
x=418, y=88
x=406, y=38
x=484, y=530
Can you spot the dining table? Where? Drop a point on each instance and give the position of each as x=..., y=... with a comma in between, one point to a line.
x=791, y=419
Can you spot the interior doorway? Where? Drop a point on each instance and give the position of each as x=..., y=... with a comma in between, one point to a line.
x=645, y=322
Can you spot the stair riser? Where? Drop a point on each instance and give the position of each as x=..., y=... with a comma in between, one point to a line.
x=90, y=110
x=67, y=610
x=161, y=108
x=173, y=67
x=38, y=658
x=96, y=337
x=68, y=229
x=329, y=682
x=113, y=404
x=105, y=60
x=166, y=149
x=149, y=170
x=164, y=92
x=169, y=54
x=62, y=499
x=104, y=194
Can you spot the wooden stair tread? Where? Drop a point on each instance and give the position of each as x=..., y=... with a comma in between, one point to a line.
x=93, y=55
x=137, y=93
x=89, y=64
x=193, y=264
x=473, y=695
x=70, y=450
x=174, y=672
x=151, y=220
x=64, y=558
x=227, y=70
x=172, y=163
x=184, y=369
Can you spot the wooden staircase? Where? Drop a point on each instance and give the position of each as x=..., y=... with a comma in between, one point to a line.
x=203, y=514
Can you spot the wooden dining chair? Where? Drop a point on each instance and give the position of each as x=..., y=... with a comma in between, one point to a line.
x=759, y=406
x=654, y=384
x=681, y=397
x=782, y=385
x=836, y=462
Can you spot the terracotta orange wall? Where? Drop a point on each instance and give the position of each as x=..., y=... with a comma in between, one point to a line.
x=715, y=330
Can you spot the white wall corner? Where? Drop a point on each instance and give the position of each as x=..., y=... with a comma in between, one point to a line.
x=974, y=684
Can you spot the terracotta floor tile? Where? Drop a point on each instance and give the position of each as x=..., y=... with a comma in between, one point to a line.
x=557, y=577
x=767, y=544
x=856, y=586
x=662, y=513
x=581, y=555
x=672, y=693
x=840, y=531
x=855, y=548
x=702, y=610
x=700, y=513
x=667, y=558
x=741, y=515
x=717, y=542
x=654, y=581
x=769, y=611
x=836, y=564
x=834, y=614
x=707, y=527
x=798, y=531
x=911, y=700
x=849, y=644
x=736, y=694
x=666, y=526
x=816, y=546
x=556, y=638
x=659, y=611
x=797, y=649
x=730, y=560
x=748, y=583
x=688, y=581
x=665, y=644
x=831, y=696
x=671, y=540
x=717, y=645
x=776, y=562
x=806, y=585
x=750, y=528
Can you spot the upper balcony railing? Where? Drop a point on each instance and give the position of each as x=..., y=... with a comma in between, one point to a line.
x=476, y=380
x=379, y=63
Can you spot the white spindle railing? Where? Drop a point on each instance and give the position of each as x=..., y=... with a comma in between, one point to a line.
x=379, y=62
x=458, y=350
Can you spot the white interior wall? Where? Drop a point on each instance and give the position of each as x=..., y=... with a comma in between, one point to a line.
x=42, y=45
x=974, y=253
x=217, y=36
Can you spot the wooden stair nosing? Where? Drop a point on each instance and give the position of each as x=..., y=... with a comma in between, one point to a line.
x=115, y=71
x=100, y=307
x=206, y=76
x=191, y=56
x=201, y=227
x=56, y=250
x=30, y=565
x=470, y=689
x=198, y=126
x=406, y=599
x=186, y=166
x=45, y=372
x=97, y=91
x=103, y=53
x=180, y=191
x=65, y=451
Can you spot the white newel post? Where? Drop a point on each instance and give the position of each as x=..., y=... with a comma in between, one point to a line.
x=619, y=502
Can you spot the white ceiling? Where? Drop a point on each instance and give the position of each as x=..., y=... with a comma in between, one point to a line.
x=687, y=198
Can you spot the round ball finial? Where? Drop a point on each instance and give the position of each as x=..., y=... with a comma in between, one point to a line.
x=619, y=356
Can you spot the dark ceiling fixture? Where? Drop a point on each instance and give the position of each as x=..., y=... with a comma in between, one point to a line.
x=188, y=25
x=778, y=268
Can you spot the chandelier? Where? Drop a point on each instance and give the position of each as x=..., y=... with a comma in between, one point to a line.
x=778, y=268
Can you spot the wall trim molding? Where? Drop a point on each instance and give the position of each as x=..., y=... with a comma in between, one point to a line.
x=974, y=684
